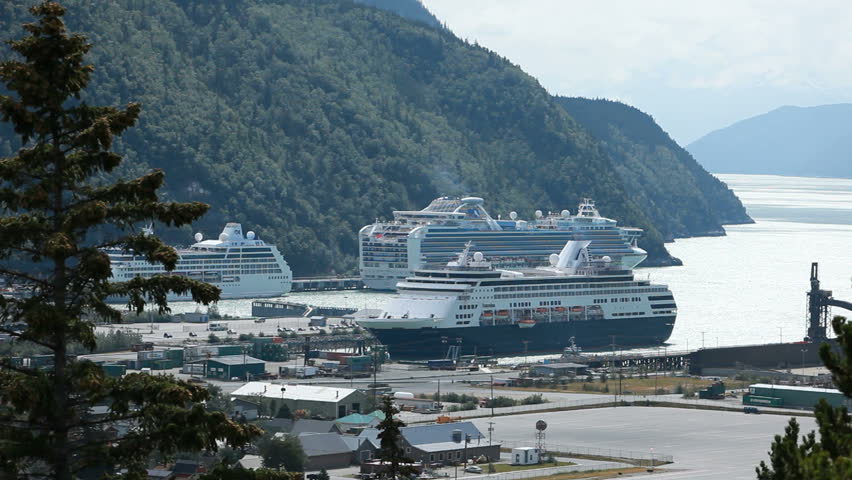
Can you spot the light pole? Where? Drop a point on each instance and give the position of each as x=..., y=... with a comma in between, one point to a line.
x=780, y=334
x=702, y=340
x=804, y=350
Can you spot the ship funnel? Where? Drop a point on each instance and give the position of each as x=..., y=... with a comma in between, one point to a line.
x=569, y=256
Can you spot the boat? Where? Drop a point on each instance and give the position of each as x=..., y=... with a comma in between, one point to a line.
x=242, y=266
x=592, y=303
x=415, y=239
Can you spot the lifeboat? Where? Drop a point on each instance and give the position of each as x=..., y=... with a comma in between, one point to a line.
x=526, y=323
x=541, y=310
x=577, y=309
x=487, y=314
x=501, y=314
x=560, y=309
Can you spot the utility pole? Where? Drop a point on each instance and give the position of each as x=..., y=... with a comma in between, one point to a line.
x=490, y=431
x=804, y=350
x=702, y=339
x=492, y=404
x=780, y=334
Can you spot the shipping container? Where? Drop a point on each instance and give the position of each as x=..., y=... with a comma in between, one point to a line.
x=112, y=370
x=227, y=350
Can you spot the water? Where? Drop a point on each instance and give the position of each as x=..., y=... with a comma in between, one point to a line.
x=747, y=287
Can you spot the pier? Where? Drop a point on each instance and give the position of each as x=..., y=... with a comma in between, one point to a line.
x=318, y=284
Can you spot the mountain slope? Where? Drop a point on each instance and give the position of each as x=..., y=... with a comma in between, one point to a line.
x=410, y=9
x=678, y=195
x=803, y=141
x=306, y=119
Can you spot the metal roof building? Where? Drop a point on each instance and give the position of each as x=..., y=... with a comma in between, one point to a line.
x=234, y=366
x=328, y=402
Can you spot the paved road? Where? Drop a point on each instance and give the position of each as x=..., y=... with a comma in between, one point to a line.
x=705, y=444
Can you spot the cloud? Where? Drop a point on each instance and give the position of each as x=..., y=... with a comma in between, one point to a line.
x=622, y=48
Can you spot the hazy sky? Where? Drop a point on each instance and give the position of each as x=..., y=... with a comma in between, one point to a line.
x=694, y=67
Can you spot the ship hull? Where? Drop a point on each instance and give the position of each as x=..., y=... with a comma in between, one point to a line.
x=543, y=338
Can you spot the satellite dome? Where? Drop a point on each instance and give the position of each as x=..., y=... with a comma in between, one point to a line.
x=250, y=235
x=513, y=215
x=223, y=237
x=477, y=257
x=472, y=200
x=566, y=213
x=554, y=259
x=198, y=237
x=606, y=259
x=538, y=214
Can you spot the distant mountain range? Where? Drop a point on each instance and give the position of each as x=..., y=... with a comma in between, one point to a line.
x=308, y=119
x=798, y=141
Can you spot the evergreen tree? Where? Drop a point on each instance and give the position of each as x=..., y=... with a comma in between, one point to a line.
x=830, y=456
x=390, y=439
x=57, y=215
x=286, y=453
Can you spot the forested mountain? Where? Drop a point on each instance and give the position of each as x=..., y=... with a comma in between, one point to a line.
x=307, y=119
x=670, y=187
x=801, y=141
x=411, y=9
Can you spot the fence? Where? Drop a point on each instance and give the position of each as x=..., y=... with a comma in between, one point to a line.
x=644, y=458
x=546, y=472
x=596, y=401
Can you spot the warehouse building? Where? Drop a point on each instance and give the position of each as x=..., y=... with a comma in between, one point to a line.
x=326, y=402
x=235, y=366
x=791, y=396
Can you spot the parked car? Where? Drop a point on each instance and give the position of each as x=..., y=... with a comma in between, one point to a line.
x=473, y=469
x=751, y=410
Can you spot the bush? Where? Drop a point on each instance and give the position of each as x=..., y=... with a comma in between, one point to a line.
x=212, y=338
x=533, y=400
x=499, y=402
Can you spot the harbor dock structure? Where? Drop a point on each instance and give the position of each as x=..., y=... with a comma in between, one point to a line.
x=317, y=284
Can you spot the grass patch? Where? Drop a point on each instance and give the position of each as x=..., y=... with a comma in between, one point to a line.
x=611, y=473
x=505, y=467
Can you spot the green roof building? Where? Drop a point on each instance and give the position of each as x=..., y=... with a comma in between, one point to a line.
x=235, y=366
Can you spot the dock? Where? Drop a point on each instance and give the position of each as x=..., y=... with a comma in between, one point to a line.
x=318, y=284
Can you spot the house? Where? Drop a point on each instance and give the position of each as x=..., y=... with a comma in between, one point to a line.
x=235, y=366
x=251, y=462
x=185, y=469
x=308, y=425
x=325, y=450
x=447, y=443
x=356, y=422
x=361, y=448
x=159, y=474
x=315, y=400
x=244, y=408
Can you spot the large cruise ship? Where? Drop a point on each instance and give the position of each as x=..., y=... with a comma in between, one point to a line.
x=243, y=266
x=391, y=251
x=592, y=303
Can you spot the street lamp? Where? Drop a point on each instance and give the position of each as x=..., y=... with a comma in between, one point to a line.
x=804, y=350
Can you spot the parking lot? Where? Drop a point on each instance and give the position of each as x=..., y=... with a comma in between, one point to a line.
x=705, y=444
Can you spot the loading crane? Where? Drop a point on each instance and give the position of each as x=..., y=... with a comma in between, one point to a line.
x=818, y=303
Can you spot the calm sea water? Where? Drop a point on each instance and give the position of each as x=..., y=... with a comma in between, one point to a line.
x=747, y=287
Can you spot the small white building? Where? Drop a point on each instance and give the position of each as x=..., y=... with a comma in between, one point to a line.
x=525, y=456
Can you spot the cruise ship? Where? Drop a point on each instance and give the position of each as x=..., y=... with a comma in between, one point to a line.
x=576, y=300
x=242, y=266
x=391, y=251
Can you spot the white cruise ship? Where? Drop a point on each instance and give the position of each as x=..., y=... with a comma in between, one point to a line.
x=243, y=266
x=484, y=310
x=391, y=251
